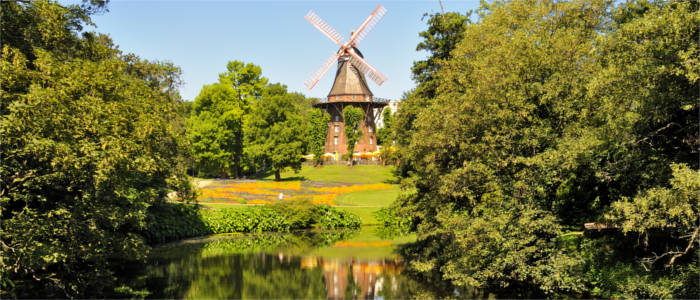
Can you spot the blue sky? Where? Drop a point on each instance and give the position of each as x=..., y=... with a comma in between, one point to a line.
x=202, y=36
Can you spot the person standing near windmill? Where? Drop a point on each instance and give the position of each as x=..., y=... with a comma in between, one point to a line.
x=350, y=85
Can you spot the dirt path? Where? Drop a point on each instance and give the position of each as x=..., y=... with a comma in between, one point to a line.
x=200, y=183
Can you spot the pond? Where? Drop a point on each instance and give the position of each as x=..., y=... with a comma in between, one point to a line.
x=333, y=264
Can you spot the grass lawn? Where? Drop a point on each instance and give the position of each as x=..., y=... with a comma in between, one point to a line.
x=365, y=203
x=341, y=174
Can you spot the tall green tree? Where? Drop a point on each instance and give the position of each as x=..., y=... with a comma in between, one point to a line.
x=318, y=129
x=212, y=128
x=216, y=128
x=91, y=139
x=352, y=116
x=443, y=34
x=384, y=135
x=275, y=131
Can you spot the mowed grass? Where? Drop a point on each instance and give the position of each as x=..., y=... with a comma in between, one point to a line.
x=341, y=174
x=365, y=203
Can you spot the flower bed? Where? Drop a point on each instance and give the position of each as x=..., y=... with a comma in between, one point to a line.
x=269, y=192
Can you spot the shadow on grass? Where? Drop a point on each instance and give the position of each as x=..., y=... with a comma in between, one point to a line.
x=264, y=175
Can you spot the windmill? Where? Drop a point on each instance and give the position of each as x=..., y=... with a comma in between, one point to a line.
x=350, y=85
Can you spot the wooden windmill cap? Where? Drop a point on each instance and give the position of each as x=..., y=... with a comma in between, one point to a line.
x=349, y=80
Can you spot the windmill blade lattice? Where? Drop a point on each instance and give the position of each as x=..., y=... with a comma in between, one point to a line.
x=316, y=76
x=326, y=29
x=381, y=11
x=364, y=67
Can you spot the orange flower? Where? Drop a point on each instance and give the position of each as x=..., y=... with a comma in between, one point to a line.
x=362, y=244
x=323, y=199
x=352, y=188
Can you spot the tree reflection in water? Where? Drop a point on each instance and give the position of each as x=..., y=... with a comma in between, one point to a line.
x=265, y=266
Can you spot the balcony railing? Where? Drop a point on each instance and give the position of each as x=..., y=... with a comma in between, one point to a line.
x=358, y=99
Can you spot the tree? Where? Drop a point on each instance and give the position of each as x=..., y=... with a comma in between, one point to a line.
x=318, y=129
x=212, y=128
x=658, y=208
x=384, y=137
x=547, y=114
x=275, y=131
x=216, y=126
x=90, y=139
x=352, y=117
x=444, y=32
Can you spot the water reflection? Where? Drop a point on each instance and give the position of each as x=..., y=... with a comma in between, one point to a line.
x=357, y=279
x=263, y=266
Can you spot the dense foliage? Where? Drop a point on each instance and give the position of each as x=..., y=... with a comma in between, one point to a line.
x=168, y=221
x=384, y=137
x=352, y=116
x=90, y=139
x=277, y=218
x=244, y=126
x=275, y=130
x=318, y=128
x=216, y=125
x=172, y=221
x=545, y=115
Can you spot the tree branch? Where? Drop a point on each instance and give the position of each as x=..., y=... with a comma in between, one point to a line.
x=690, y=245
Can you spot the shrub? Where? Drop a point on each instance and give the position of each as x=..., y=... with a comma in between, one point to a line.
x=299, y=212
x=172, y=221
x=329, y=217
x=392, y=223
x=247, y=219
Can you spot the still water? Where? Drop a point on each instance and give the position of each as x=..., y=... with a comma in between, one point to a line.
x=334, y=265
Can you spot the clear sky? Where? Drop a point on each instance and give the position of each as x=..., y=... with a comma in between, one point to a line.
x=202, y=36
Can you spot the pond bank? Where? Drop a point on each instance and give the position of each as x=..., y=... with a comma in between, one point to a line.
x=172, y=221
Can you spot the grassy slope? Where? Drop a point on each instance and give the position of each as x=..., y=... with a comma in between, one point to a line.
x=363, y=203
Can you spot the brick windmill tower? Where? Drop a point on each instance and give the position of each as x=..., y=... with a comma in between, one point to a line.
x=350, y=85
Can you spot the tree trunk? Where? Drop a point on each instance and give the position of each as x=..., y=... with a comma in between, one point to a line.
x=235, y=166
x=277, y=175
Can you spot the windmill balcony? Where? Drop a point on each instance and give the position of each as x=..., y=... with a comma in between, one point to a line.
x=354, y=98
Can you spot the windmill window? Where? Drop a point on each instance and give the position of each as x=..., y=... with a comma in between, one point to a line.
x=370, y=129
x=335, y=140
x=370, y=141
x=336, y=128
x=337, y=118
x=353, y=97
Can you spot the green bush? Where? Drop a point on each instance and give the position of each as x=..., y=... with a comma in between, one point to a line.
x=172, y=221
x=247, y=219
x=300, y=213
x=392, y=224
x=328, y=217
